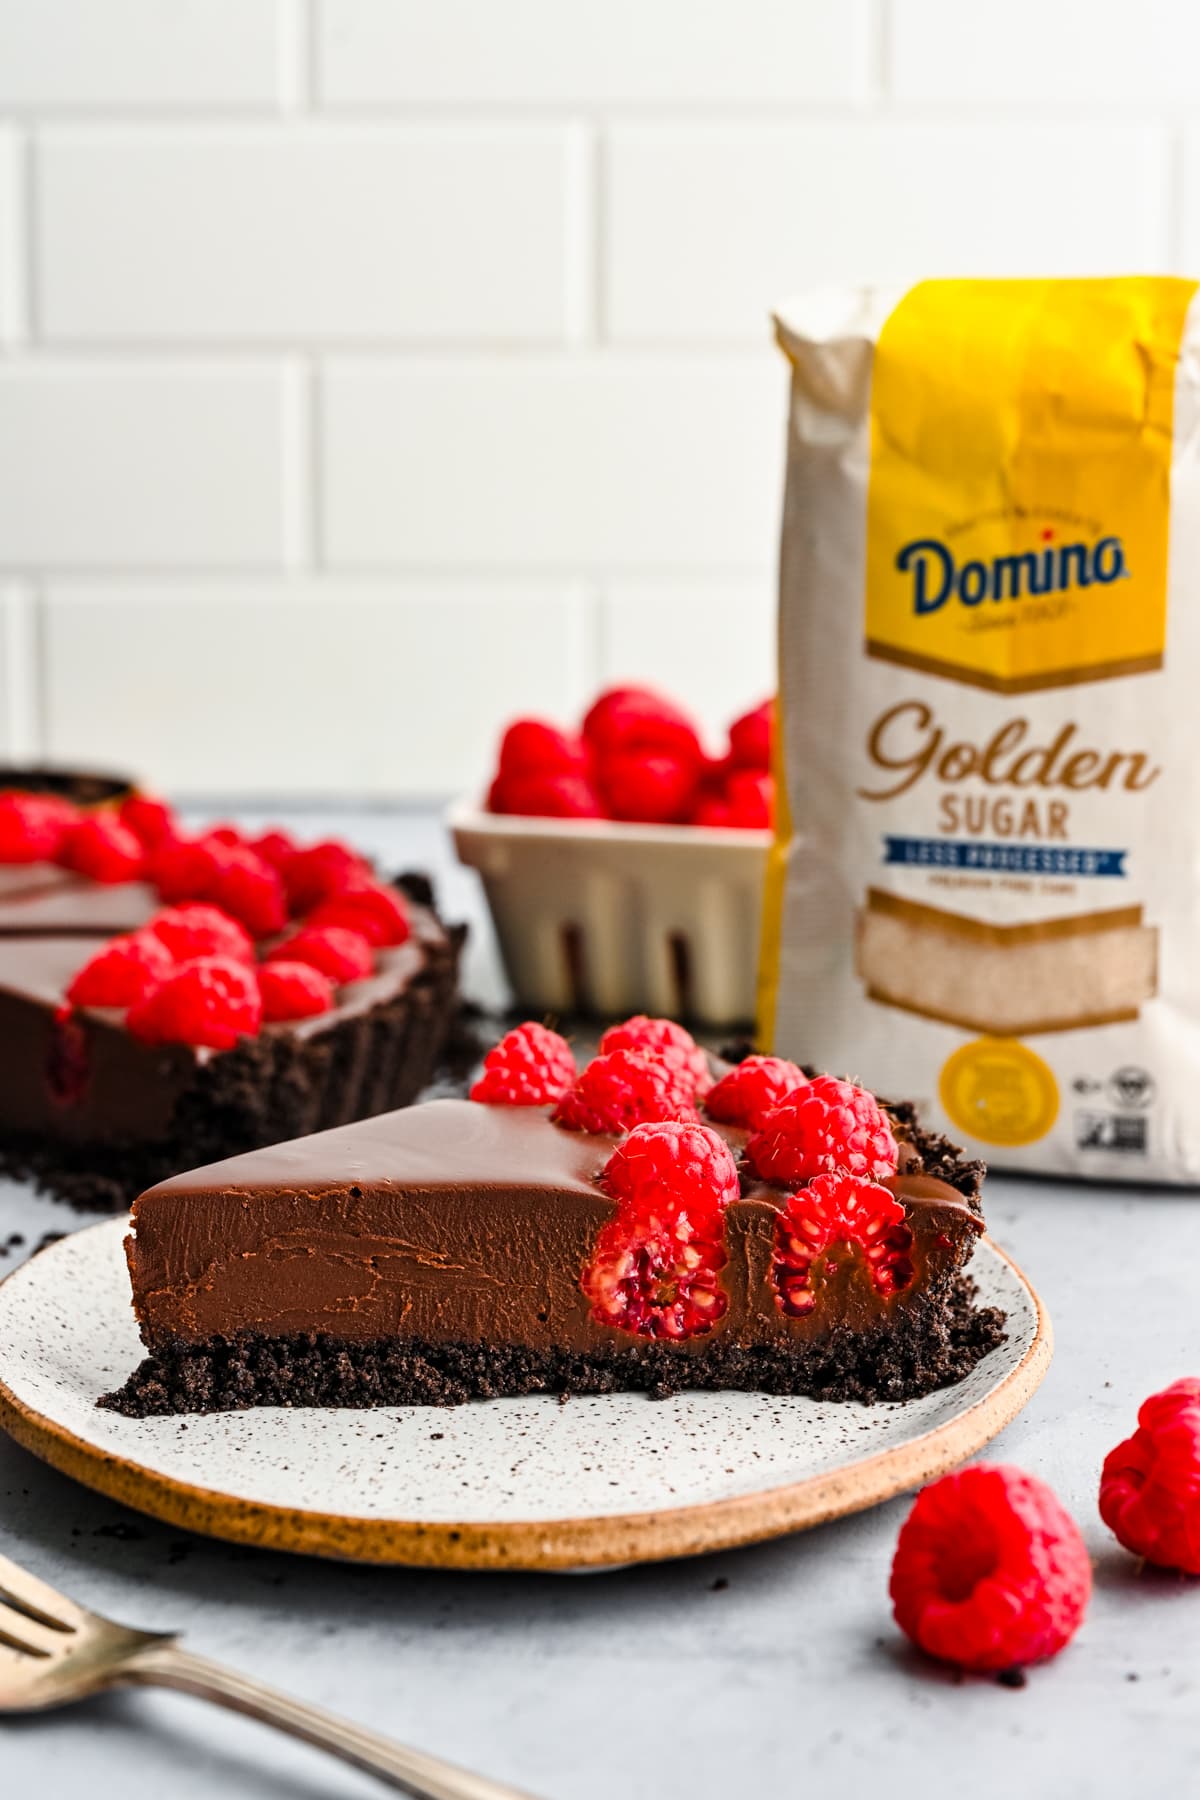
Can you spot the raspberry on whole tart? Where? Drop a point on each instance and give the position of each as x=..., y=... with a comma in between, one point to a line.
x=822, y=1127
x=293, y=990
x=622, y=1089
x=319, y=872
x=123, y=972
x=210, y=1004
x=34, y=827
x=249, y=889
x=530, y=1066
x=365, y=906
x=339, y=953
x=101, y=848
x=751, y=1089
x=1150, y=1484
x=199, y=930
x=990, y=1571
x=835, y=1210
x=151, y=821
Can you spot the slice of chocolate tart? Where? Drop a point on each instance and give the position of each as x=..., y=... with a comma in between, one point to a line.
x=459, y=1250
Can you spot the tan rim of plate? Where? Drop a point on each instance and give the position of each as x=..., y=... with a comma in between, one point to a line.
x=587, y=1543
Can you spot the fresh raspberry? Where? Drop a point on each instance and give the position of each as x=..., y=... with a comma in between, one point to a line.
x=198, y=930
x=103, y=850
x=648, y=787
x=210, y=1004
x=531, y=1066
x=834, y=1210
x=750, y=797
x=990, y=1571
x=277, y=848
x=340, y=954
x=251, y=891
x=1150, y=1485
x=545, y=794
x=618, y=1091
x=232, y=836
x=34, y=827
x=750, y=738
x=187, y=868
x=655, y=1269
x=320, y=872
x=533, y=747
x=123, y=972
x=712, y=810
x=662, y=1040
x=293, y=990
x=636, y=718
x=825, y=1125
x=375, y=911
x=749, y=1092
x=688, y=1166
x=151, y=821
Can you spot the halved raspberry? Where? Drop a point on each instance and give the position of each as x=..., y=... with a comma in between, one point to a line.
x=637, y=718
x=658, y=1276
x=664, y=1040
x=615, y=1092
x=834, y=1210
x=689, y=1166
x=151, y=821
x=823, y=1126
x=251, y=891
x=375, y=911
x=123, y=972
x=530, y=1066
x=647, y=787
x=750, y=738
x=340, y=954
x=749, y=1092
x=320, y=872
x=103, y=850
x=656, y=1265
x=34, y=827
x=535, y=747
x=1150, y=1485
x=210, y=1004
x=545, y=794
x=990, y=1571
x=200, y=930
x=293, y=990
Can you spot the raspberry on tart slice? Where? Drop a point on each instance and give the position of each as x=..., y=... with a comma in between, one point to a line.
x=990, y=1571
x=1150, y=1485
x=833, y=1210
x=666, y=1042
x=655, y=1269
x=824, y=1126
x=530, y=1066
x=752, y=1089
x=624, y=1088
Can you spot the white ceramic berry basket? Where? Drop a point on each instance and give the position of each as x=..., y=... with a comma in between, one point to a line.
x=614, y=919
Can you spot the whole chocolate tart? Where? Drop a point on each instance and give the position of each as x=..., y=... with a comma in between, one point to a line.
x=441, y=1254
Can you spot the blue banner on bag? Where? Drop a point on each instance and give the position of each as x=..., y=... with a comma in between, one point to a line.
x=1007, y=859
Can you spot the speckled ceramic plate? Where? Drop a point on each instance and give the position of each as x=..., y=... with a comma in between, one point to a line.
x=527, y=1484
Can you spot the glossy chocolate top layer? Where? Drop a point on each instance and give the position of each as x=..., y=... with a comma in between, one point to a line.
x=455, y=1222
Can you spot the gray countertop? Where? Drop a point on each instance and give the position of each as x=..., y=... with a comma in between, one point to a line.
x=769, y=1671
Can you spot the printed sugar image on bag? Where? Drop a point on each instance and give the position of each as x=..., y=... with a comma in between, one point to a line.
x=984, y=890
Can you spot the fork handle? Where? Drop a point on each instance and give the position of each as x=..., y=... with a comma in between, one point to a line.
x=411, y=1771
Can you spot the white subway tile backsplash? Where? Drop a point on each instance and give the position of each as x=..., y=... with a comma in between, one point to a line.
x=307, y=687
x=1089, y=52
x=19, y=674
x=591, y=51
x=138, y=53
x=602, y=460
x=710, y=644
x=130, y=465
x=708, y=225
x=12, y=238
x=1189, y=204
x=302, y=232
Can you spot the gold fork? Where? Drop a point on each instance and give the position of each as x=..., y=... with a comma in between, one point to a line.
x=53, y=1652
